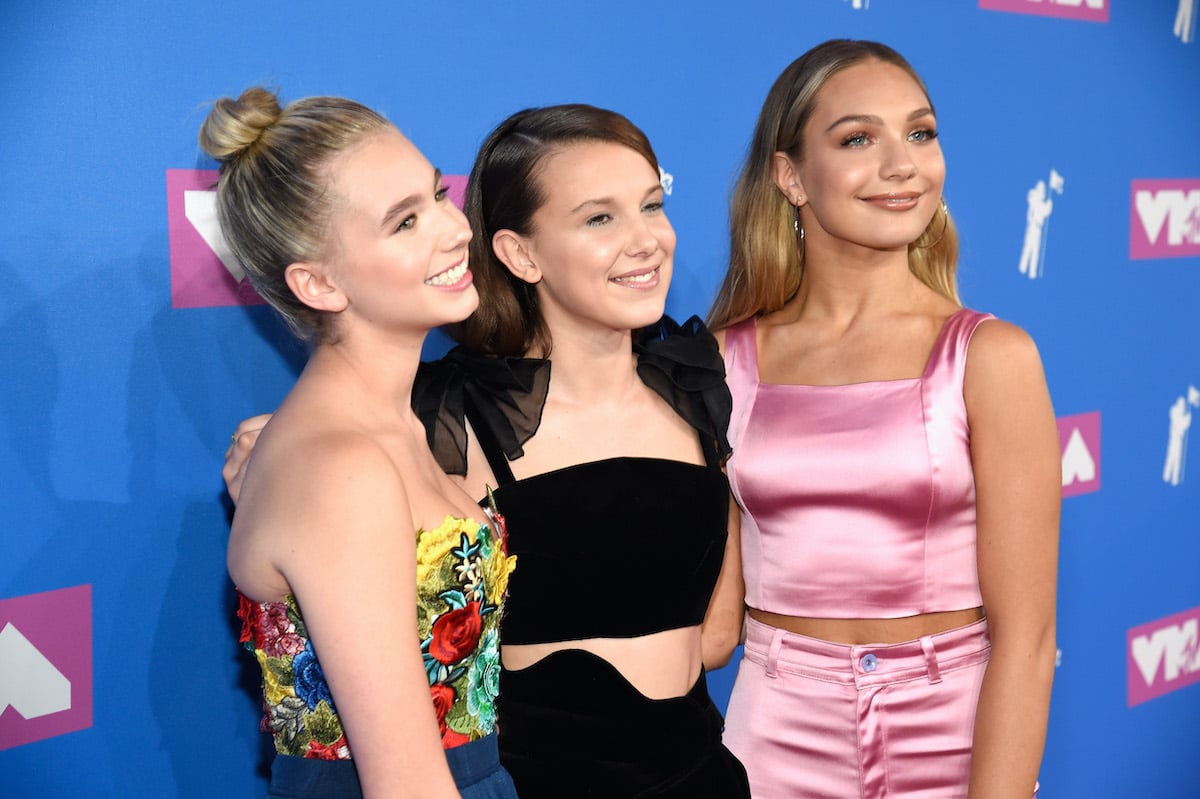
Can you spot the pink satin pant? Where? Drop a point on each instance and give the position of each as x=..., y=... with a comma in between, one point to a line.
x=810, y=718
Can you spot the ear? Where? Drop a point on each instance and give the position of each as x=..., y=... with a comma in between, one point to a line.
x=513, y=251
x=312, y=285
x=787, y=179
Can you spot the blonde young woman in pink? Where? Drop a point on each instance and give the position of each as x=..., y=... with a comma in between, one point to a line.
x=895, y=459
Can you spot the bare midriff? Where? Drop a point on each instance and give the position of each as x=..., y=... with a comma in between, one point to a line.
x=660, y=665
x=858, y=632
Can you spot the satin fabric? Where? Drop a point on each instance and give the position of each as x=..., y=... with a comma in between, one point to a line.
x=858, y=500
x=811, y=719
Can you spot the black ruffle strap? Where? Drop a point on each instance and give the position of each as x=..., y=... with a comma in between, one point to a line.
x=683, y=365
x=506, y=394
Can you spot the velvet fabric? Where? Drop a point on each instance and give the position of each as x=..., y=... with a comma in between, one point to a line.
x=572, y=725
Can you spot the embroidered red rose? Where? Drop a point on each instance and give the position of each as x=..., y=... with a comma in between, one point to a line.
x=338, y=750
x=246, y=612
x=451, y=739
x=443, y=700
x=455, y=634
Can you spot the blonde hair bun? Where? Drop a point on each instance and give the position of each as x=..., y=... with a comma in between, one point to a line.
x=234, y=126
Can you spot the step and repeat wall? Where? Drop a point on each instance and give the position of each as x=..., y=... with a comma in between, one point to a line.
x=131, y=347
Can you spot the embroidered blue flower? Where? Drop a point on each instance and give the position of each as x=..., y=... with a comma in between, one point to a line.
x=310, y=679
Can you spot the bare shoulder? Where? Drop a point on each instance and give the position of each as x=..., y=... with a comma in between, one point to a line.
x=1004, y=384
x=1000, y=350
x=310, y=496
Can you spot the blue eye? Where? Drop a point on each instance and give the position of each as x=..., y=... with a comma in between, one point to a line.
x=924, y=134
x=855, y=140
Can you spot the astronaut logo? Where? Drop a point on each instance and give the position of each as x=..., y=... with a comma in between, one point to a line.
x=1185, y=21
x=1180, y=416
x=45, y=665
x=666, y=180
x=1037, y=224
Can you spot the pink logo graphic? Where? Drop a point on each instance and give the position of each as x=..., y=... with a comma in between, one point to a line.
x=1087, y=10
x=1164, y=656
x=45, y=665
x=1164, y=219
x=1079, y=442
x=204, y=272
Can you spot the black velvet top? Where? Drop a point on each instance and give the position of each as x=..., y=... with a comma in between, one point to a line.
x=615, y=548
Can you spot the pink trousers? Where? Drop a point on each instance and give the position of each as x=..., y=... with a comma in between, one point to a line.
x=810, y=718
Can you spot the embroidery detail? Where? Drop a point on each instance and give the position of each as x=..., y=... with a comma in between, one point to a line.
x=462, y=576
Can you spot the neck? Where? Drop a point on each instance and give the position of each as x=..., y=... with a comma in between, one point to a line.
x=376, y=371
x=592, y=366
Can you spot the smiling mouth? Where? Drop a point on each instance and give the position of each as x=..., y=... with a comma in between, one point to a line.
x=450, y=277
x=639, y=279
x=893, y=200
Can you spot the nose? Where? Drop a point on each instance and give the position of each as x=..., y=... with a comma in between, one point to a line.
x=643, y=239
x=458, y=230
x=897, y=161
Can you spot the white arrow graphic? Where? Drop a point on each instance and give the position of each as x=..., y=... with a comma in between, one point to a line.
x=1077, y=461
x=200, y=208
x=29, y=682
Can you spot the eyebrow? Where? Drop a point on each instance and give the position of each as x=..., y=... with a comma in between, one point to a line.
x=409, y=201
x=874, y=120
x=609, y=200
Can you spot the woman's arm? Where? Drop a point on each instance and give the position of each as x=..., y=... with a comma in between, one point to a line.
x=345, y=542
x=1018, y=482
x=724, y=621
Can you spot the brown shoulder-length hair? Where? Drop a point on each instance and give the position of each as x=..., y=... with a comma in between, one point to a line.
x=503, y=193
x=766, y=258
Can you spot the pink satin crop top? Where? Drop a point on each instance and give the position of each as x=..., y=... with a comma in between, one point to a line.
x=858, y=501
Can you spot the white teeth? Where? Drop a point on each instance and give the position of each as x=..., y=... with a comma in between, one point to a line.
x=449, y=277
x=644, y=278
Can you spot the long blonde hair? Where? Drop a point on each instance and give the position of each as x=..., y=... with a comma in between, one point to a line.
x=766, y=257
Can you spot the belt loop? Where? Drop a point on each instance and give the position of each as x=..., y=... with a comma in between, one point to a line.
x=773, y=652
x=935, y=673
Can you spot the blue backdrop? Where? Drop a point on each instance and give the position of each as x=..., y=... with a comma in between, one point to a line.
x=1070, y=132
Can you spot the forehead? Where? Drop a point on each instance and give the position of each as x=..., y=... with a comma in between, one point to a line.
x=383, y=162
x=866, y=88
x=594, y=169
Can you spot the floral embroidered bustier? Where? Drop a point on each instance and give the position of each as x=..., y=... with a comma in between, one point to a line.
x=462, y=576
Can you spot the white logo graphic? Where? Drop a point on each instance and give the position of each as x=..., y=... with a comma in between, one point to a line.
x=1037, y=222
x=1180, y=212
x=666, y=180
x=859, y=5
x=1078, y=465
x=28, y=681
x=1175, y=647
x=1185, y=21
x=200, y=208
x=1181, y=419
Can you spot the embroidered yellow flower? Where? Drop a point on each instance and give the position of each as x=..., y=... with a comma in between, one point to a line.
x=433, y=545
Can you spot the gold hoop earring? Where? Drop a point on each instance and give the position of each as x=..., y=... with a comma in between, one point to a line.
x=945, y=224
